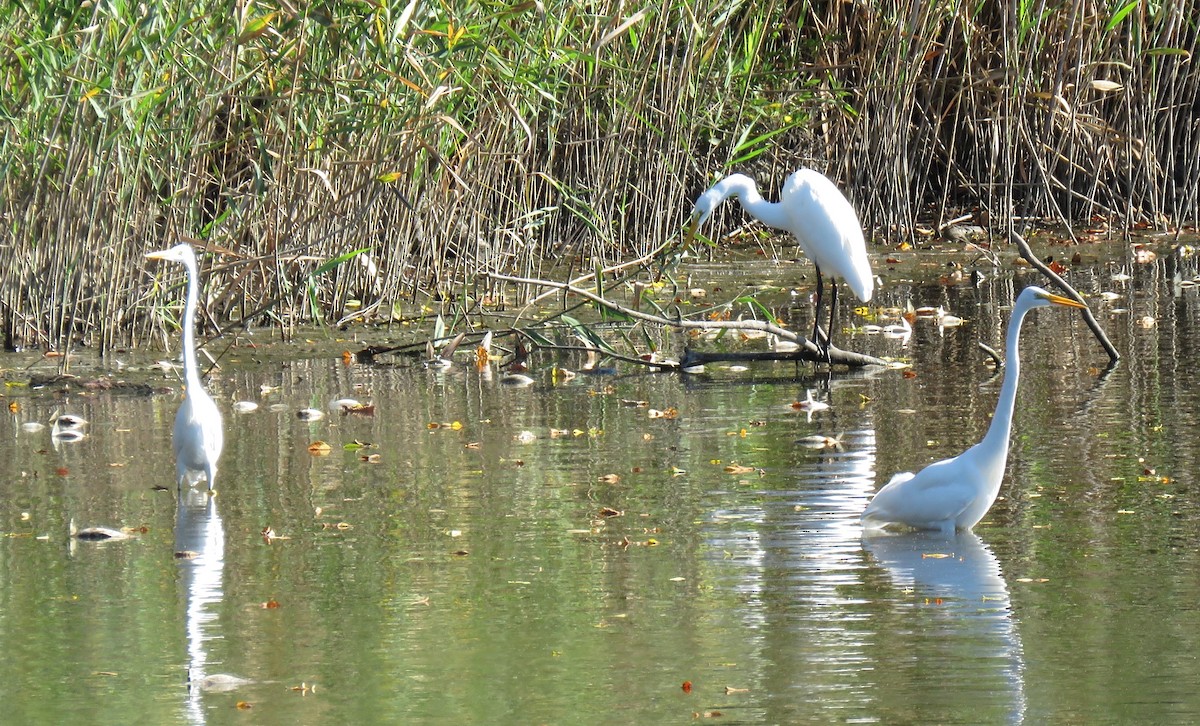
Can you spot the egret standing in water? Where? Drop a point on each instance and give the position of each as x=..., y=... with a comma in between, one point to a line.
x=199, y=433
x=820, y=218
x=956, y=493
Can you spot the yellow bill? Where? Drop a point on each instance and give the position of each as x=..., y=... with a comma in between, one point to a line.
x=1060, y=300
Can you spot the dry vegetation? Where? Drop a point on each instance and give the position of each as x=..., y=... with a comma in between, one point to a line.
x=387, y=152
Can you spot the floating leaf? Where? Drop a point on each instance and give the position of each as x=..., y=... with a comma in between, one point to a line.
x=319, y=448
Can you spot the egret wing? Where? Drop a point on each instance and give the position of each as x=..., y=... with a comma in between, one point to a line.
x=930, y=499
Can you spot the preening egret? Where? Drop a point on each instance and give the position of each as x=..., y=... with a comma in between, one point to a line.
x=820, y=218
x=956, y=493
x=199, y=434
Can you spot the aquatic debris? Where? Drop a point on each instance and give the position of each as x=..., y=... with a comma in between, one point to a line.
x=516, y=380
x=244, y=406
x=310, y=414
x=818, y=441
x=218, y=682
x=68, y=427
x=102, y=534
x=809, y=404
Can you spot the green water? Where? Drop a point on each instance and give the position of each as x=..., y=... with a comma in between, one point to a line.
x=468, y=575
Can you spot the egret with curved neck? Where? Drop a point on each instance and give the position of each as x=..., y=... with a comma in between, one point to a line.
x=820, y=218
x=198, y=436
x=957, y=493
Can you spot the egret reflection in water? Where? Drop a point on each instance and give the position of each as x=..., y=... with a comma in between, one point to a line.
x=200, y=550
x=955, y=603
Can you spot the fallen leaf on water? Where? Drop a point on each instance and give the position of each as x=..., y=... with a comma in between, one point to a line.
x=270, y=605
x=245, y=705
x=305, y=688
x=610, y=479
x=686, y=687
x=362, y=409
x=1143, y=256
x=738, y=469
x=460, y=553
x=731, y=689
x=14, y=407
x=708, y=714
x=934, y=555
x=186, y=555
x=319, y=448
x=610, y=512
x=371, y=458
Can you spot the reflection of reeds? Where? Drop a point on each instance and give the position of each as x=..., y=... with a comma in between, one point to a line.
x=445, y=142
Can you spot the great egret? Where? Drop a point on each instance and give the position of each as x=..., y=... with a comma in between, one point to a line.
x=956, y=493
x=199, y=434
x=820, y=218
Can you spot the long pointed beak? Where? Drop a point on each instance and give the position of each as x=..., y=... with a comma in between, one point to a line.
x=160, y=255
x=1060, y=300
x=690, y=231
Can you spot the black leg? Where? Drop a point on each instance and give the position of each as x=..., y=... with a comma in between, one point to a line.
x=832, y=319
x=816, y=334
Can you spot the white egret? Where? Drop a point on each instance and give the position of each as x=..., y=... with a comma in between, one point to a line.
x=956, y=493
x=820, y=218
x=199, y=434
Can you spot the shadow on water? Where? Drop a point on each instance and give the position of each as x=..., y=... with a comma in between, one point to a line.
x=959, y=604
x=200, y=552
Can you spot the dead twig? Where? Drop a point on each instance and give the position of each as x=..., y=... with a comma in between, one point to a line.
x=1027, y=254
x=808, y=350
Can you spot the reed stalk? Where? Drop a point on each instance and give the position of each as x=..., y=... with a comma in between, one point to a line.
x=539, y=139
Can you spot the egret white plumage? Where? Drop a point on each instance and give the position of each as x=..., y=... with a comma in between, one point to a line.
x=956, y=493
x=199, y=434
x=821, y=219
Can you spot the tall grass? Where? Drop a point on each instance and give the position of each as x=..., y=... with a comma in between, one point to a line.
x=538, y=138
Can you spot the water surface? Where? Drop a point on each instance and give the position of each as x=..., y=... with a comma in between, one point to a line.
x=460, y=566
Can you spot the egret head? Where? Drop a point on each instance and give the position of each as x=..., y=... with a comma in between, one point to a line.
x=1036, y=297
x=705, y=204
x=181, y=252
